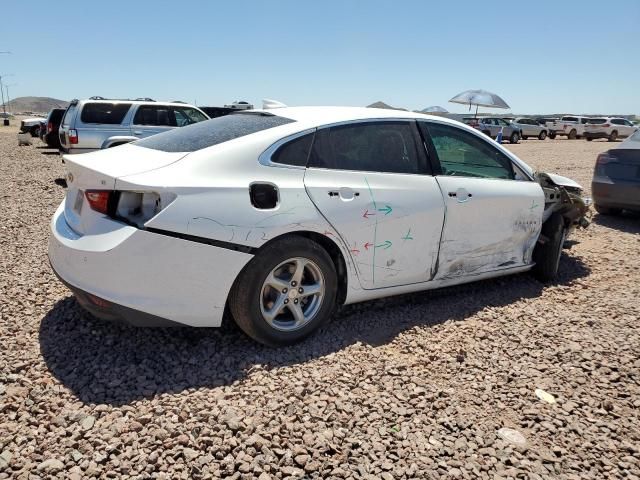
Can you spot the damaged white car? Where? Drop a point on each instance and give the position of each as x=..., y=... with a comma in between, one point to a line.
x=283, y=215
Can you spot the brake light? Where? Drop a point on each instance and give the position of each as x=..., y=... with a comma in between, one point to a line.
x=73, y=137
x=49, y=127
x=606, y=125
x=98, y=200
x=602, y=160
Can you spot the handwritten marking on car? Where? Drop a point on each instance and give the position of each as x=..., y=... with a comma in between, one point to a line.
x=387, y=209
x=408, y=236
x=367, y=214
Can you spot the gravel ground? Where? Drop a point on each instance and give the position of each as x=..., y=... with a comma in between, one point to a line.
x=418, y=386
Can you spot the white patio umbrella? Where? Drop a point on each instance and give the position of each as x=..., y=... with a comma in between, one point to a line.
x=480, y=98
x=435, y=109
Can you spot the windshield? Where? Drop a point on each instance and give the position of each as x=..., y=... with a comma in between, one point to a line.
x=211, y=132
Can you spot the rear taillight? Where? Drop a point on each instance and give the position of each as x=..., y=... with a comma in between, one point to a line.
x=603, y=160
x=49, y=127
x=73, y=137
x=99, y=200
x=606, y=125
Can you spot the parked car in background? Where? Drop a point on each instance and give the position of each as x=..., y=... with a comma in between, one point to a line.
x=215, y=112
x=609, y=128
x=98, y=123
x=616, y=178
x=491, y=126
x=546, y=121
x=52, y=125
x=530, y=128
x=282, y=215
x=32, y=125
x=571, y=126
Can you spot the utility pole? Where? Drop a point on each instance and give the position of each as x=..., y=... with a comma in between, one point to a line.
x=4, y=108
x=7, y=89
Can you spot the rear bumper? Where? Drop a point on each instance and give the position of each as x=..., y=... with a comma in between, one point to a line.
x=616, y=195
x=72, y=151
x=141, y=277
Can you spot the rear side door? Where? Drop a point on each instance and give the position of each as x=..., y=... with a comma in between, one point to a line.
x=98, y=121
x=493, y=210
x=151, y=119
x=370, y=181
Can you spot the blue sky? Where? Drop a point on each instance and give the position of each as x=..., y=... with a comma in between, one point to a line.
x=553, y=56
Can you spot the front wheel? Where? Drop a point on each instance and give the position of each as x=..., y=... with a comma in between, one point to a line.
x=549, y=248
x=514, y=138
x=285, y=292
x=613, y=137
x=542, y=135
x=573, y=134
x=552, y=135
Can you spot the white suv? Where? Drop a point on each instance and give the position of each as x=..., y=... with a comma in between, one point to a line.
x=97, y=122
x=609, y=128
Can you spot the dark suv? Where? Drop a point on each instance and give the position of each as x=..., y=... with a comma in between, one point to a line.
x=51, y=127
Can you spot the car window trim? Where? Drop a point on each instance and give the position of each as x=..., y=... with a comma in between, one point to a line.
x=482, y=138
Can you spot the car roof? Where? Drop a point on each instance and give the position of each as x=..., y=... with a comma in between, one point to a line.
x=318, y=116
x=136, y=102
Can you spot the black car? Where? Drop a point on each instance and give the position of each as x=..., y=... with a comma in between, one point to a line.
x=616, y=179
x=52, y=125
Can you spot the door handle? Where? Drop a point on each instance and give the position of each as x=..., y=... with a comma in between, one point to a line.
x=461, y=195
x=345, y=193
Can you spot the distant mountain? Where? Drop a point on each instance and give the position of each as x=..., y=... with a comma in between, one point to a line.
x=35, y=104
x=381, y=104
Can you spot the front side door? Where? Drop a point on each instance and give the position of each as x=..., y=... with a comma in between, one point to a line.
x=369, y=180
x=493, y=212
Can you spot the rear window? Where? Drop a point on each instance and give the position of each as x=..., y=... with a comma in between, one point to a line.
x=69, y=114
x=212, y=132
x=104, y=113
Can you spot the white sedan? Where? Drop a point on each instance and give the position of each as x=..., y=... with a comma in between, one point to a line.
x=282, y=215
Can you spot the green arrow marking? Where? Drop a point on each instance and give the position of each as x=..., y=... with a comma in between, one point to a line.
x=385, y=245
x=533, y=205
x=387, y=209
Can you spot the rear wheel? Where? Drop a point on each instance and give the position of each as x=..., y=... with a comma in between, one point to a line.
x=552, y=135
x=607, y=210
x=514, y=138
x=589, y=139
x=35, y=131
x=614, y=136
x=286, y=292
x=542, y=135
x=549, y=249
x=573, y=134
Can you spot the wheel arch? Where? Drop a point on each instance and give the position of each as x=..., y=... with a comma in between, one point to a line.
x=332, y=248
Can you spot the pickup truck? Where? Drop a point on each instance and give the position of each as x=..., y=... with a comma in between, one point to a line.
x=572, y=126
x=32, y=125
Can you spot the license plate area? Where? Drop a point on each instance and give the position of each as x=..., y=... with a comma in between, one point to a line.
x=77, y=204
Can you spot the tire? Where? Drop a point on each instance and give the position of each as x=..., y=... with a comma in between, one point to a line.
x=253, y=296
x=607, y=210
x=552, y=135
x=547, y=255
x=35, y=131
x=613, y=136
x=573, y=134
x=542, y=135
x=514, y=138
x=589, y=139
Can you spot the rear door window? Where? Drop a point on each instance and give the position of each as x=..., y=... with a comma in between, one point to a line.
x=617, y=121
x=295, y=152
x=212, y=132
x=569, y=119
x=384, y=146
x=463, y=154
x=104, y=113
x=154, y=115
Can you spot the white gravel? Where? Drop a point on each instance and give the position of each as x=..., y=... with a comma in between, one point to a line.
x=412, y=387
